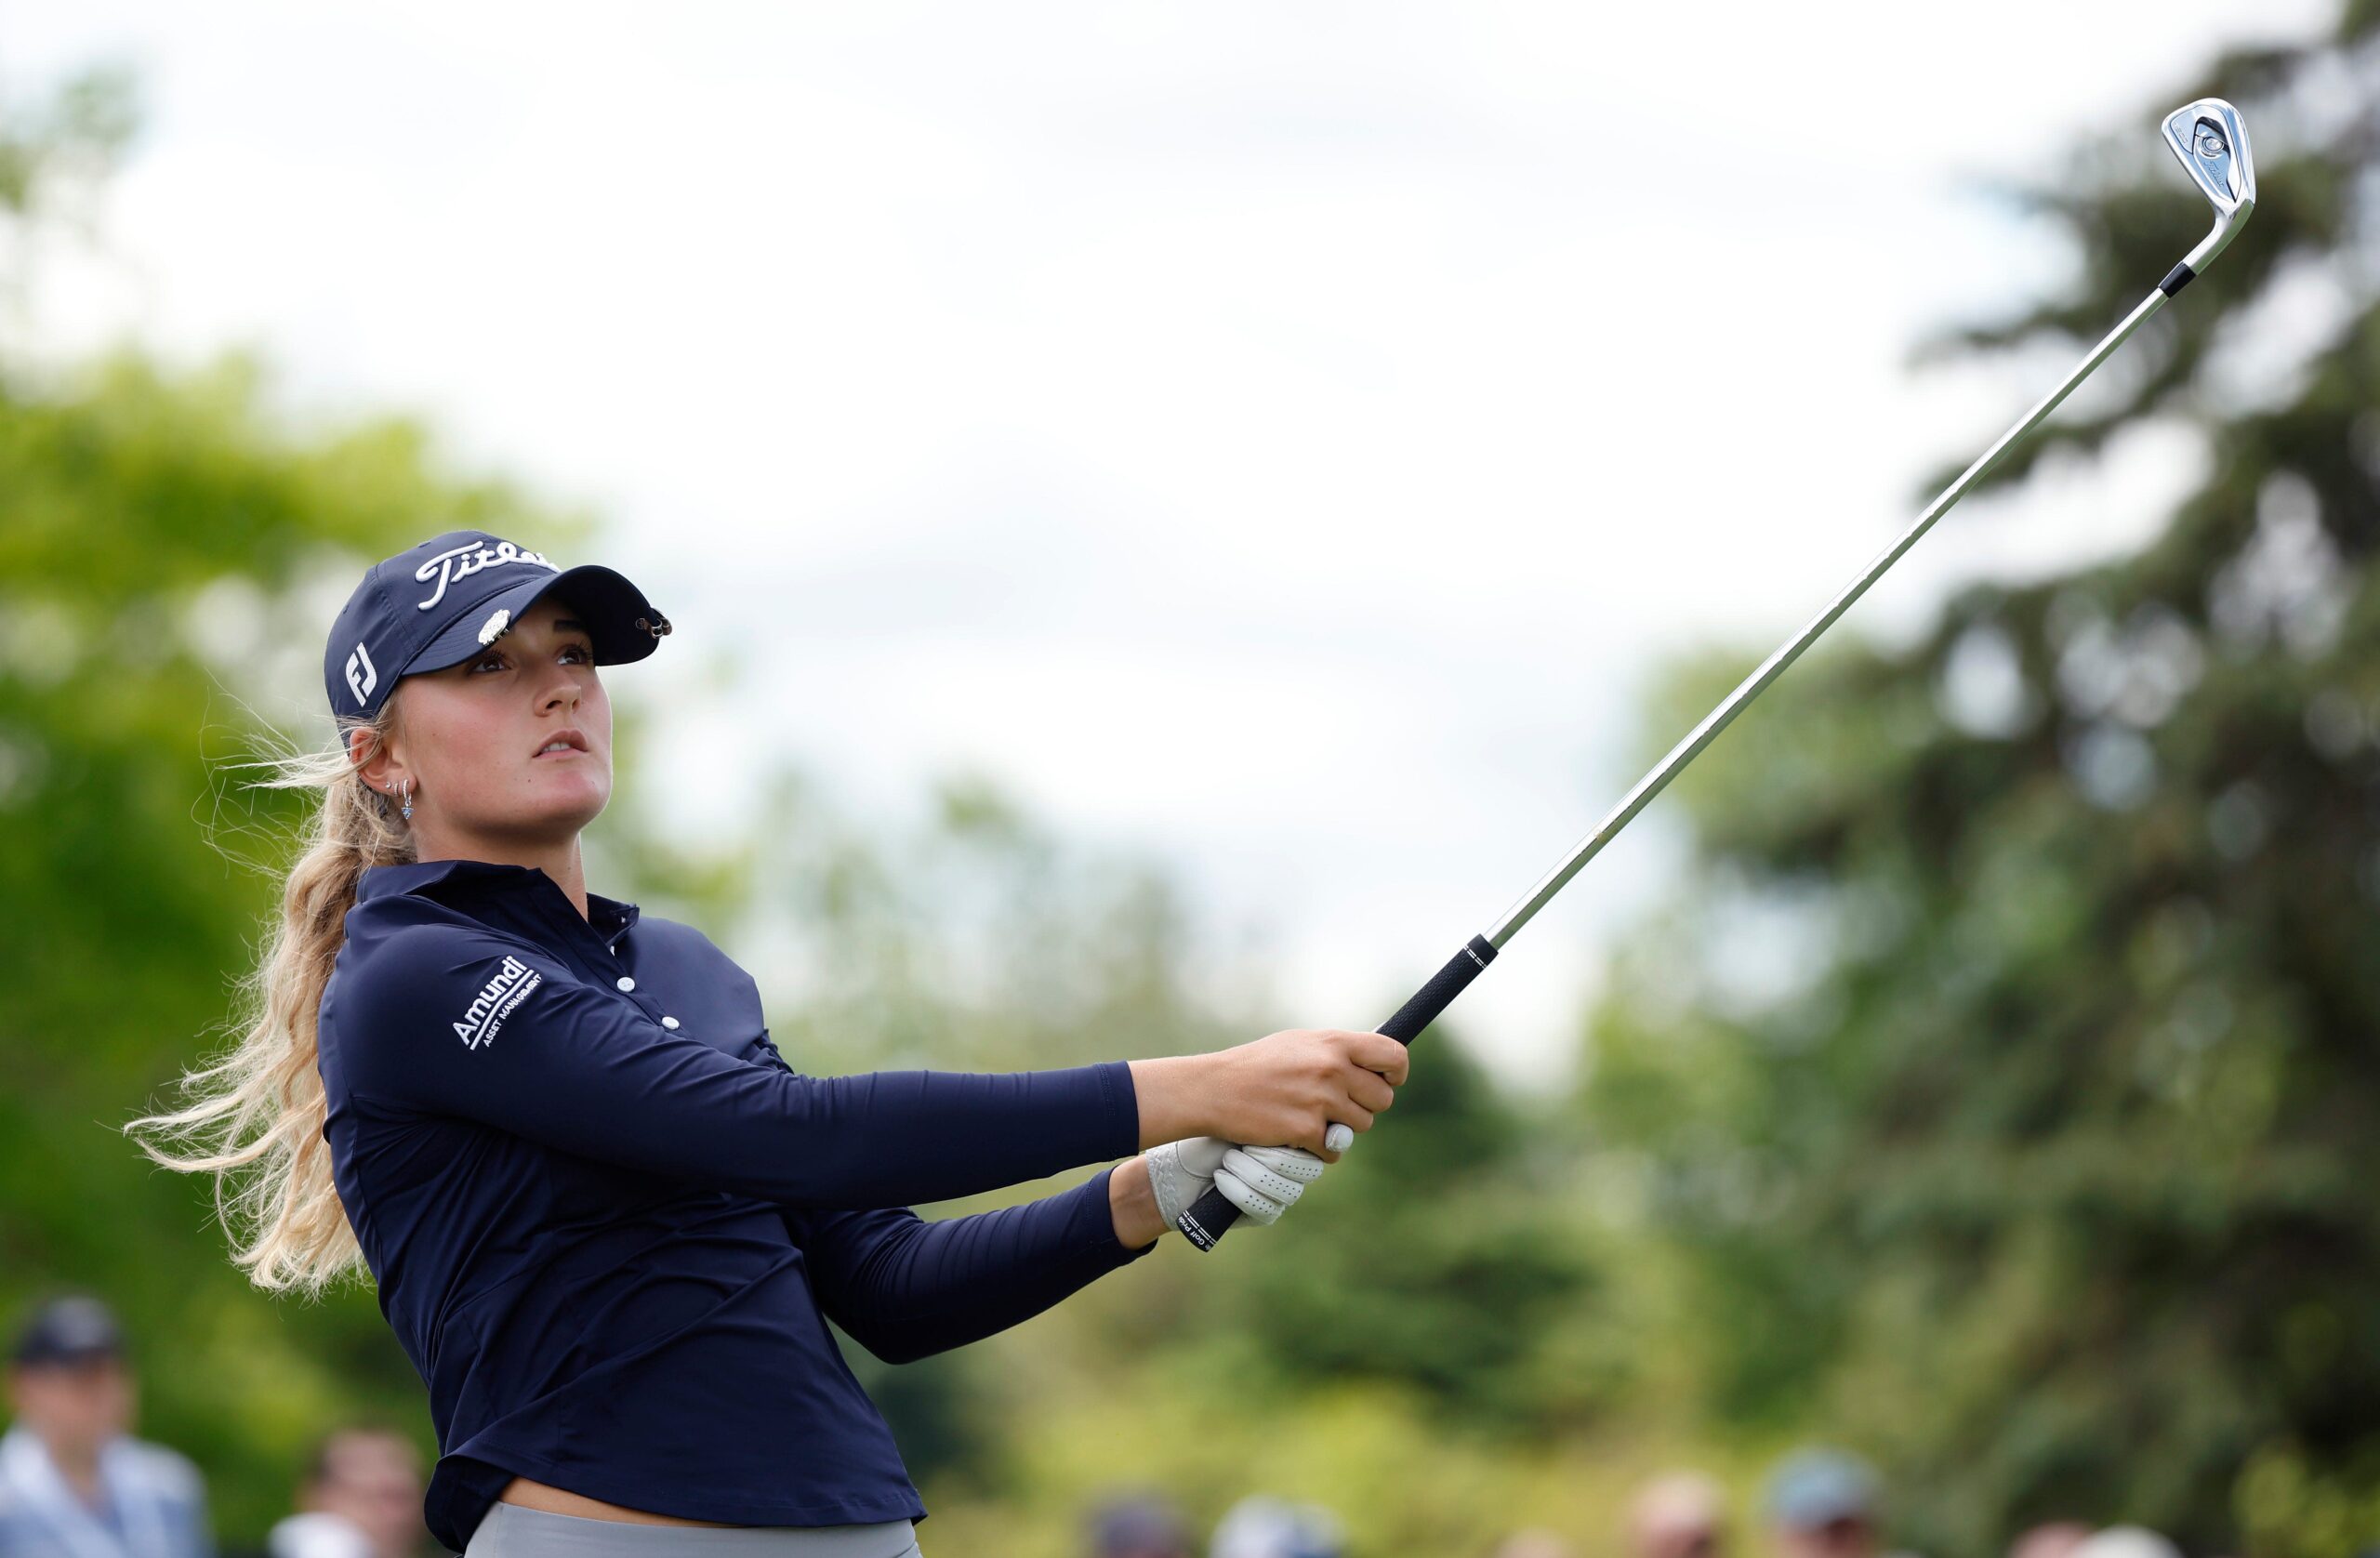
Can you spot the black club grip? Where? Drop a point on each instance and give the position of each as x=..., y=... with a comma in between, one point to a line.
x=1211, y=1216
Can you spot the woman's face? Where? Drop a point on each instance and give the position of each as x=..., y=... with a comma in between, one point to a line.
x=78, y=1405
x=512, y=747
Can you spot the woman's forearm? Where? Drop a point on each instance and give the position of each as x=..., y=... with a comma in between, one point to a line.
x=1176, y=1098
x=905, y=1288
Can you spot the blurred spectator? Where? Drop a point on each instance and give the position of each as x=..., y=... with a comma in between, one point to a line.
x=1682, y=1515
x=362, y=1498
x=74, y=1481
x=1822, y=1504
x=2126, y=1541
x=1532, y=1544
x=1139, y=1526
x=1261, y=1527
x=2056, y=1540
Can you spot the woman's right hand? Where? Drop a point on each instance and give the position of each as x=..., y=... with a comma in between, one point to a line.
x=1285, y=1089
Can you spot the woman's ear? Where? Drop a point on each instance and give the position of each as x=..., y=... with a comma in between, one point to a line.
x=375, y=762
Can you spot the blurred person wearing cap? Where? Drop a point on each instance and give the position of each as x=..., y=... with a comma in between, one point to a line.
x=608, y=1221
x=1139, y=1526
x=1679, y=1515
x=361, y=1499
x=74, y=1481
x=1821, y=1503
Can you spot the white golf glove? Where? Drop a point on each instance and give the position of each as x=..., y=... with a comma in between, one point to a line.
x=1262, y=1182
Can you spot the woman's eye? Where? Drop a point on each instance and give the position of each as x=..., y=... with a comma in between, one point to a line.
x=570, y=655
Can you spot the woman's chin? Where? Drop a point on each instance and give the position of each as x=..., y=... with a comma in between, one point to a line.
x=574, y=818
x=580, y=791
x=555, y=817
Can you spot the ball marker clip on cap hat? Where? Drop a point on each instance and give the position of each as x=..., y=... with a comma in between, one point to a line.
x=442, y=602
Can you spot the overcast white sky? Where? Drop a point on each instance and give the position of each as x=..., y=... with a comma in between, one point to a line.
x=1278, y=437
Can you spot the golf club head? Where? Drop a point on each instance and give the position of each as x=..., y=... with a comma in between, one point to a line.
x=2213, y=146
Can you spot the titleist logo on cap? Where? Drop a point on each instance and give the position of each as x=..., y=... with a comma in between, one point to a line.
x=461, y=562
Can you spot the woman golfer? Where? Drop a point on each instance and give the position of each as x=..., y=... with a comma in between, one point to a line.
x=607, y=1222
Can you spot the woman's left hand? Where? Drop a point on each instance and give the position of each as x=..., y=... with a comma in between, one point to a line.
x=1262, y=1182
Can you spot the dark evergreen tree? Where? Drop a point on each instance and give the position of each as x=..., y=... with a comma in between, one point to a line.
x=2049, y=1181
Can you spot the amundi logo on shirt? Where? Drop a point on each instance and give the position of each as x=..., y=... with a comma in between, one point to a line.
x=494, y=1002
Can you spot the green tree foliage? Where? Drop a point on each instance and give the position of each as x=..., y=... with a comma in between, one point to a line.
x=1438, y=1262
x=2009, y=1066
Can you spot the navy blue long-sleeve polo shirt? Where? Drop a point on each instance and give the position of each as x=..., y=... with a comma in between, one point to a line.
x=609, y=1223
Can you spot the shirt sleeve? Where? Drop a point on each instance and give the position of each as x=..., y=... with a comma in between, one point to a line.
x=905, y=1288
x=460, y=1022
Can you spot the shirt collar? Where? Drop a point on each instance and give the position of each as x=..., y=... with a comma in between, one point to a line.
x=609, y=916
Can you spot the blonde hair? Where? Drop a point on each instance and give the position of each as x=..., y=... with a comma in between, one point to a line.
x=255, y=1116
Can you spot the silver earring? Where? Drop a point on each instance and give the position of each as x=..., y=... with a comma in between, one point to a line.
x=404, y=793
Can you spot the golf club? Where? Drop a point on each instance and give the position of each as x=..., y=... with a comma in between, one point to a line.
x=2213, y=146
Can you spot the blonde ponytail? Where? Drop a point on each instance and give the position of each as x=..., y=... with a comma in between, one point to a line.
x=255, y=1119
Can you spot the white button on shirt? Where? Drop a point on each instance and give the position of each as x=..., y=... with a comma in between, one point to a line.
x=625, y=983
x=669, y=1021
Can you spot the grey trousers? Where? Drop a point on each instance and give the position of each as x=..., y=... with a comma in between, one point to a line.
x=510, y=1531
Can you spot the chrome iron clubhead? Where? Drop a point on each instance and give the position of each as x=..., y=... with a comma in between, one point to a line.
x=2213, y=146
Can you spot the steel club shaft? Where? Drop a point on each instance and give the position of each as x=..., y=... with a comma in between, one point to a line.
x=2213, y=146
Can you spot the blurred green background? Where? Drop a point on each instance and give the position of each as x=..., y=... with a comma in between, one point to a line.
x=2040, y=1172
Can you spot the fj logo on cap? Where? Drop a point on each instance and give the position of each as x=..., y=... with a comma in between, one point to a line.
x=511, y=986
x=461, y=562
x=361, y=675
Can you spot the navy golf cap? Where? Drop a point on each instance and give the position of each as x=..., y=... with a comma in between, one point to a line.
x=443, y=601
x=69, y=1331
